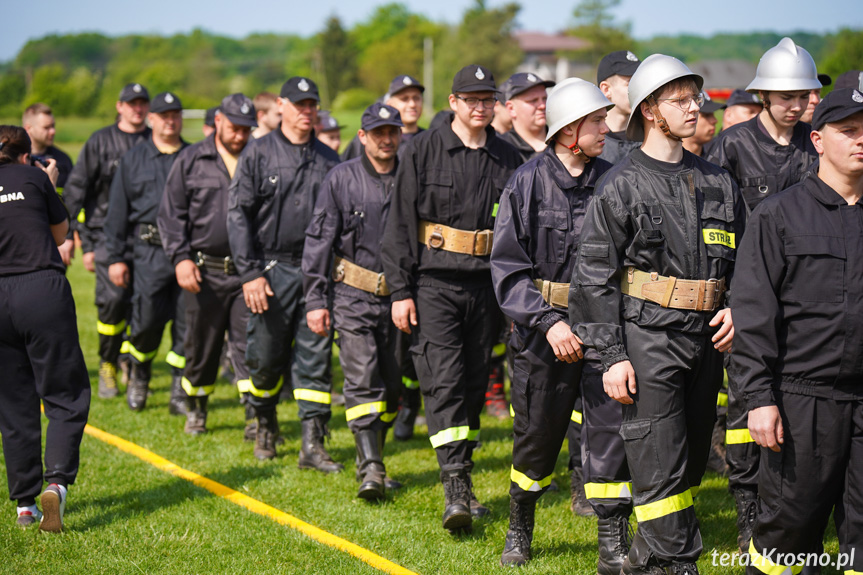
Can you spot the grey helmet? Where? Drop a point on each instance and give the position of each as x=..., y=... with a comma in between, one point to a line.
x=653, y=73
x=572, y=100
x=786, y=67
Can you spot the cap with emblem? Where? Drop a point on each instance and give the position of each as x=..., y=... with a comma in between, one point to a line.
x=403, y=82
x=378, y=115
x=299, y=88
x=210, y=117
x=709, y=106
x=327, y=123
x=239, y=109
x=473, y=78
x=836, y=106
x=522, y=82
x=850, y=79
x=620, y=63
x=165, y=102
x=741, y=97
x=134, y=91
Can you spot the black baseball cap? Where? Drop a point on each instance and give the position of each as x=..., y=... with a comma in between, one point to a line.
x=473, y=78
x=740, y=97
x=134, y=91
x=210, y=116
x=850, y=79
x=403, y=82
x=378, y=115
x=836, y=106
x=709, y=106
x=299, y=88
x=239, y=109
x=327, y=122
x=165, y=102
x=622, y=62
x=521, y=82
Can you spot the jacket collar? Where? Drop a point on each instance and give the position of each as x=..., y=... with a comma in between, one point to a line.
x=822, y=192
x=562, y=177
x=370, y=169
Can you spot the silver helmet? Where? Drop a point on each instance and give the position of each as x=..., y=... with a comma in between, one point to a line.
x=785, y=67
x=572, y=100
x=653, y=73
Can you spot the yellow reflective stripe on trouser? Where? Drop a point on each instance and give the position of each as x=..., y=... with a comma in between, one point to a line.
x=694, y=490
x=722, y=399
x=244, y=385
x=663, y=507
x=193, y=391
x=511, y=411
x=140, y=356
x=250, y=388
x=389, y=416
x=852, y=572
x=175, y=360
x=410, y=383
x=365, y=409
x=767, y=566
x=110, y=329
x=737, y=436
x=526, y=483
x=576, y=416
x=499, y=350
x=608, y=490
x=124, y=347
x=452, y=434
x=312, y=395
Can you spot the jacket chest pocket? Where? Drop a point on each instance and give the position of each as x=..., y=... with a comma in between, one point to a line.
x=552, y=228
x=717, y=229
x=816, y=269
x=437, y=189
x=756, y=188
x=141, y=185
x=269, y=185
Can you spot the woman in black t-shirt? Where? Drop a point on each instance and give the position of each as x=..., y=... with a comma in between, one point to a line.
x=40, y=356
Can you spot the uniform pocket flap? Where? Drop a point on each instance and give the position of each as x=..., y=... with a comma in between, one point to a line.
x=635, y=429
x=815, y=245
x=594, y=250
x=555, y=219
x=438, y=178
x=205, y=182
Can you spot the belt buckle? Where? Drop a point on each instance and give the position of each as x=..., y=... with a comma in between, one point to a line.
x=339, y=272
x=227, y=263
x=199, y=259
x=483, y=235
x=713, y=285
x=436, y=239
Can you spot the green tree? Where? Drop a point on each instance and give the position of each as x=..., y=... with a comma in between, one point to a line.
x=336, y=59
x=845, y=53
x=595, y=23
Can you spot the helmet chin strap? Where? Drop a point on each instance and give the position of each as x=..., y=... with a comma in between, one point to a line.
x=660, y=120
x=578, y=152
x=765, y=102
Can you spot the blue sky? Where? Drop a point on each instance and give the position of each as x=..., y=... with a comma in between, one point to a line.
x=24, y=20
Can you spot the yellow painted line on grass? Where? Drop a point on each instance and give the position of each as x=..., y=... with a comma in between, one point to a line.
x=252, y=505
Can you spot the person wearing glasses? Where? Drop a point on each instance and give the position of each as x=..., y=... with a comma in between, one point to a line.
x=270, y=203
x=764, y=155
x=436, y=258
x=649, y=294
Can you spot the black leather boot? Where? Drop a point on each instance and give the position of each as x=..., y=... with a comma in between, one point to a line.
x=403, y=428
x=516, y=550
x=266, y=434
x=312, y=453
x=614, y=542
x=456, y=514
x=477, y=509
x=196, y=415
x=389, y=482
x=139, y=385
x=746, y=502
x=371, y=465
x=578, y=502
x=682, y=569
x=177, y=403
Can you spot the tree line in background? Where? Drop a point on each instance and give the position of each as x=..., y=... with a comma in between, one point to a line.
x=81, y=74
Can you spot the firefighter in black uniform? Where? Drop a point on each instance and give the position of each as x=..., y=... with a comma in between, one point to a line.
x=270, y=204
x=656, y=257
x=342, y=265
x=798, y=349
x=525, y=102
x=612, y=77
x=136, y=192
x=88, y=189
x=435, y=254
x=536, y=237
x=40, y=354
x=764, y=155
x=192, y=222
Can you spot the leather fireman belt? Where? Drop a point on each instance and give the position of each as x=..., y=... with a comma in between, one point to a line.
x=351, y=274
x=441, y=237
x=671, y=292
x=554, y=294
x=150, y=234
x=216, y=263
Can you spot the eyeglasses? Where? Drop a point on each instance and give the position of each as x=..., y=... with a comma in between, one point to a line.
x=685, y=102
x=487, y=103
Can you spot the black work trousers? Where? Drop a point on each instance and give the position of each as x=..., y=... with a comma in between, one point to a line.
x=457, y=328
x=543, y=395
x=607, y=482
x=269, y=353
x=367, y=345
x=573, y=434
x=156, y=299
x=817, y=471
x=218, y=308
x=113, y=304
x=41, y=359
x=666, y=435
x=741, y=453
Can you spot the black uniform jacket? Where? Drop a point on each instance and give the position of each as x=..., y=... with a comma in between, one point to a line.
x=89, y=184
x=679, y=220
x=757, y=163
x=354, y=149
x=136, y=193
x=440, y=180
x=617, y=147
x=64, y=164
x=349, y=218
x=525, y=150
x=536, y=235
x=193, y=215
x=798, y=304
x=271, y=199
